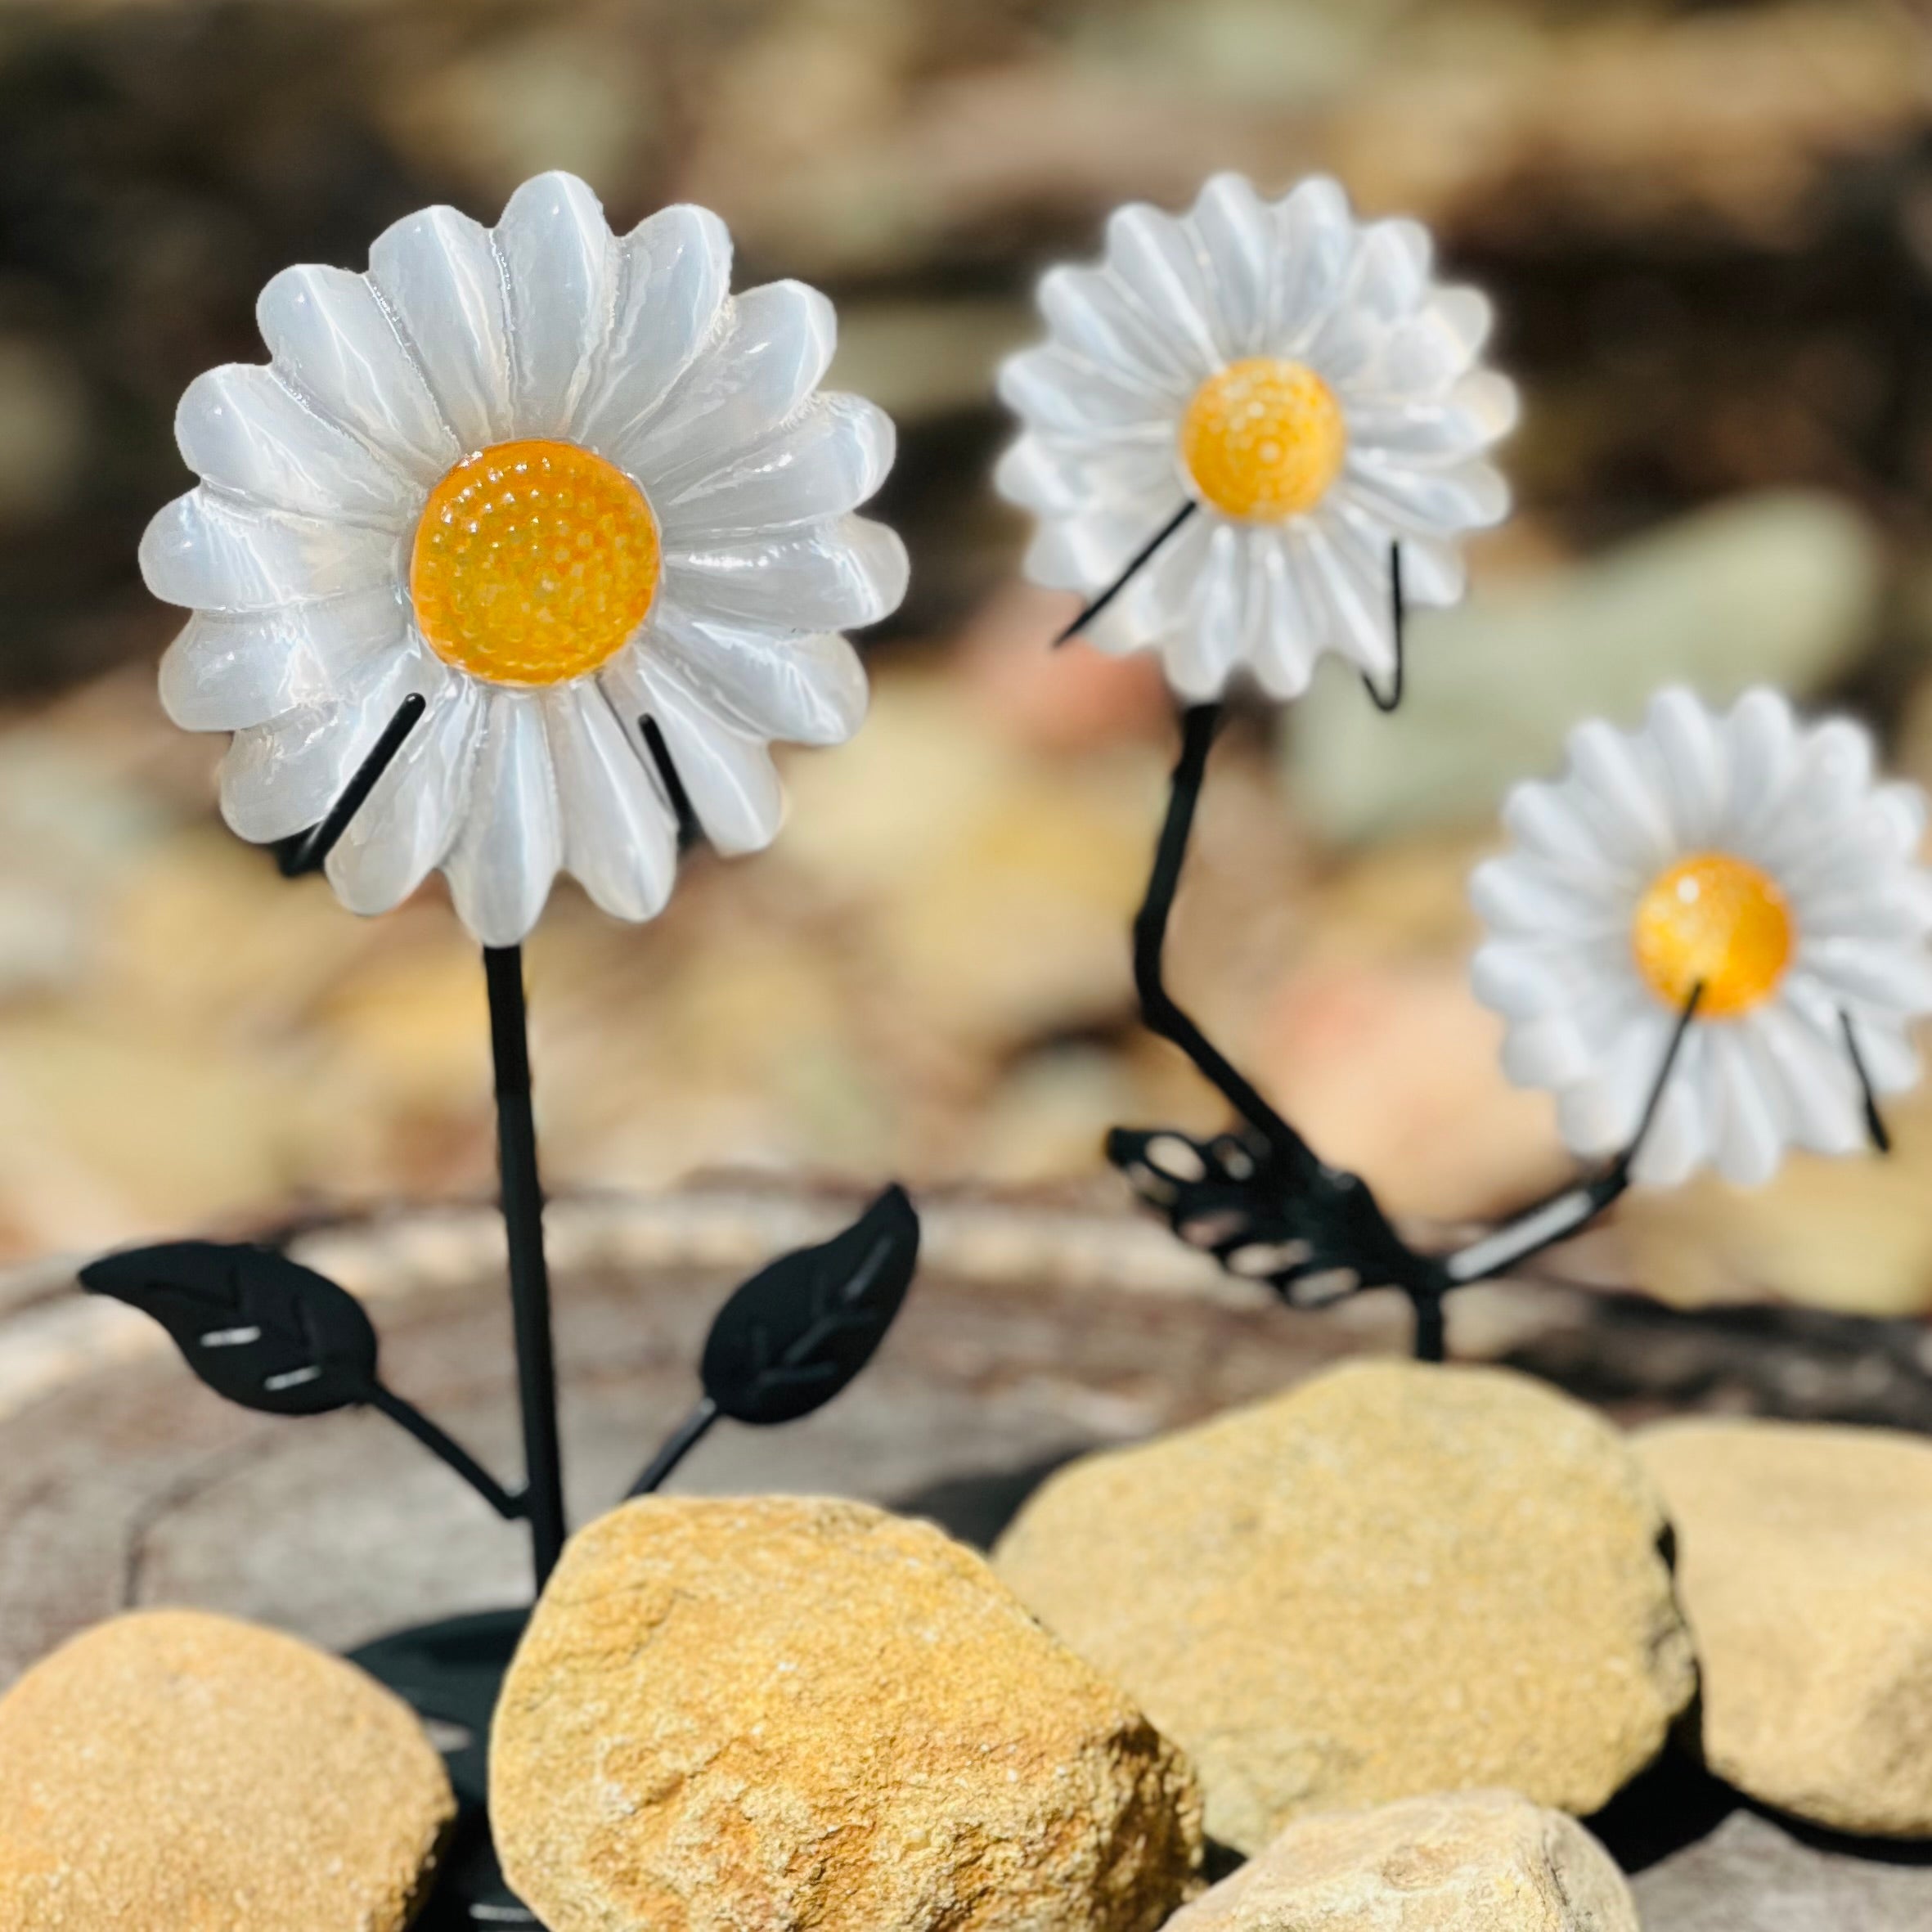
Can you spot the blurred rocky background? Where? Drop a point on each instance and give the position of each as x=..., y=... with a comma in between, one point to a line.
x=1708, y=228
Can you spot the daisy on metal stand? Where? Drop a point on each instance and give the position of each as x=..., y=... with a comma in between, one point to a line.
x=1690, y=980
x=515, y=559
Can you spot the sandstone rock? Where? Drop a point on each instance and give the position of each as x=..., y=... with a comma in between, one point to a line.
x=786, y=1712
x=1394, y=1579
x=171, y=1771
x=1451, y=1862
x=1750, y=1875
x=1806, y=1556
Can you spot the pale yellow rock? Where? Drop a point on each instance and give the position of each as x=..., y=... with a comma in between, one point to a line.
x=1805, y=1564
x=1451, y=1862
x=1394, y=1578
x=171, y=1771
x=771, y=1713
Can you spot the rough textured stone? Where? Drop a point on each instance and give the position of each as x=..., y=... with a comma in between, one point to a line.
x=1750, y=1875
x=174, y=1772
x=1806, y=1572
x=1451, y=1862
x=780, y=1712
x=1394, y=1579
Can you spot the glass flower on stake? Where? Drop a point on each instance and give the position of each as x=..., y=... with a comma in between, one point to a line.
x=514, y=560
x=1313, y=403
x=1245, y=424
x=1743, y=856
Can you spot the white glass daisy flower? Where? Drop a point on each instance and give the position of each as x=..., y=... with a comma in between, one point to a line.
x=1744, y=853
x=554, y=482
x=1298, y=378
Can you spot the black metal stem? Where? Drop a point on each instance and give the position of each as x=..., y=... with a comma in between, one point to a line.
x=529, y=1275
x=447, y=1449
x=307, y=852
x=677, y=1446
x=1159, y=1009
x=1136, y=561
x=1399, y=616
x=1431, y=1328
x=1875, y=1122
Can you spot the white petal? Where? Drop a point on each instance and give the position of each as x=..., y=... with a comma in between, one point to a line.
x=1155, y=260
x=848, y=572
x=280, y=778
x=1601, y=1114
x=826, y=460
x=1059, y=393
x=620, y=832
x=1696, y=782
x=1519, y=982
x=405, y=828
x=443, y=283
x=1547, y=1052
x=1677, y=1141
x=1830, y=780
x=1318, y=243
x=1237, y=231
x=332, y=339
x=228, y=670
x=1896, y=978
x=1745, y=1122
x=216, y=553
x=559, y=265
x=241, y=427
x=511, y=844
x=1617, y=793
x=1091, y=315
x=771, y=356
x=1470, y=496
x=1060, y=476
x=1546, y=819
x=1203, y=649
x=807, y=689
x=1891, y=1061
x=676, y=271
x=1390, y=275
x=1814, y=1076
x=1355, y=599
x=1761, y=738
x=1087, y=551
x=1520, y=894
x=1434, y=349
x=726, y=774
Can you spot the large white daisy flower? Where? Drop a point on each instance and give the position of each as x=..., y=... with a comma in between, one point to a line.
x=1299, y=378
x=553, y=481
x=1743, y=853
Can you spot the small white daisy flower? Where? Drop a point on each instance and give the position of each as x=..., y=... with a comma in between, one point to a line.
x=553, y=481
x=1299, y=378
x=1745, y=853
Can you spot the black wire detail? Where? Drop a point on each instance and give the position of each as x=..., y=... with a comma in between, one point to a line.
x=1875, y=1122
x=306, y=851
x=1140, y=557
x=690, y=832
x=1398, y=614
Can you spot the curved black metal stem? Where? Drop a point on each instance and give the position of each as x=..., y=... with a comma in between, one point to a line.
x=1159, y=1009
x=529, y=1274
x=1570, y=1210
x=1138, y=561
x=308, y=850
x=1431, y=1328
x=1875, y=1122
x=1399, y=616
x=677, y=1446
x=447, y=1450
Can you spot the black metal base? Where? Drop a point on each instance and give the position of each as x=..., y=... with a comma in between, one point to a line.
x=449, y=1675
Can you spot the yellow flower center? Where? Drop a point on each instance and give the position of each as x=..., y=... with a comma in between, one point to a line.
x=1264, y=438
x=534, y=563
x=1715, y=919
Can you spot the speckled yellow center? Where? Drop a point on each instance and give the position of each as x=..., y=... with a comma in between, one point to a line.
x=532, y=564
x=1715, y=919
x=1264, y=438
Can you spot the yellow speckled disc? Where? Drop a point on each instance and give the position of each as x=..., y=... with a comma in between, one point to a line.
x=1715, y=919
x=1264, y=438
x=534, y=563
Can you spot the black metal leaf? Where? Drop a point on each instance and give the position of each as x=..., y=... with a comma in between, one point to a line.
x=798, y=1331
x=256, y=1327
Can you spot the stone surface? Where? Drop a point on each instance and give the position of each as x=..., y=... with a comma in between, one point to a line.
x=1750, y=1875
x=1449, y=1862
x=175, y=1772
x=1392, y=1580
x=779, y=1712
x=1806, y=1572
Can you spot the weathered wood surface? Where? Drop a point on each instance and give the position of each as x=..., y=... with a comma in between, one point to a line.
x=1032, y=1333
